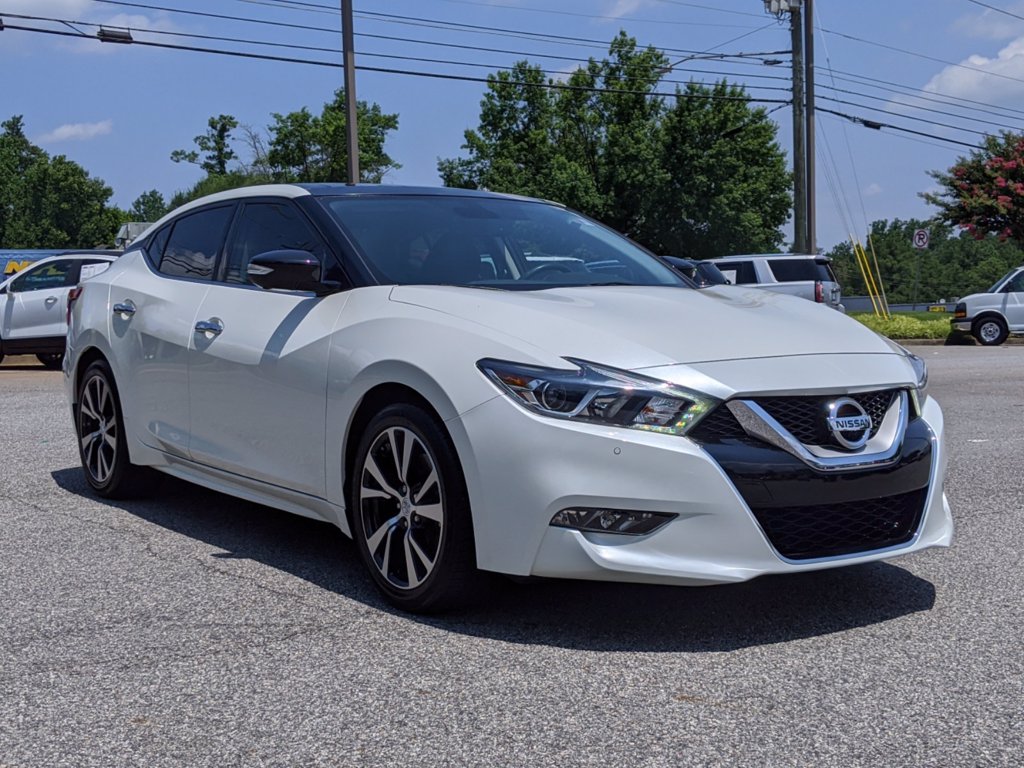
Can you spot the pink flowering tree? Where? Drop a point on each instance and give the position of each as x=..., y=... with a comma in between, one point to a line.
x=984, y=193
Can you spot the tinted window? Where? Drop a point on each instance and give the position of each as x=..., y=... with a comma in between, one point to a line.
x=57, y=274
x=496, y=243
x=266, y=227
x=194, y=243
x=791, y=270
x=1016, y=285
x=157, y=243
x=739, y=272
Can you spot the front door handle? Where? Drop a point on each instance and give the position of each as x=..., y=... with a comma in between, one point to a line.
x=124, y=308
x=209, y=326
x=50, y=301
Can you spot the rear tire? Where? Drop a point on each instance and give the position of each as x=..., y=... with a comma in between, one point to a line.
x=410, y=512
x=51, y=360
x=990, y=331
x=102, y=444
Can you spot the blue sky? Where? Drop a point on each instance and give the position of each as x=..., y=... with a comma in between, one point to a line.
x=120, y=110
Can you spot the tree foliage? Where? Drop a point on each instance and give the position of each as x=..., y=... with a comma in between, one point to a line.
x=314, y=148
x=215, y=145
x=697, y=174
x=149, y=206
x=50, y=202
x=984, y=192
x=954, y=265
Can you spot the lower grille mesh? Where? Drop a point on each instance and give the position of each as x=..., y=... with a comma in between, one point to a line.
x=826, y=530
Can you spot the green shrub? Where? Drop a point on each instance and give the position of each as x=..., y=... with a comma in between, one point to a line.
x=900, y=326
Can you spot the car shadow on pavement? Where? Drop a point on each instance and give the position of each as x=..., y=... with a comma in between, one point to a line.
x=570, y=614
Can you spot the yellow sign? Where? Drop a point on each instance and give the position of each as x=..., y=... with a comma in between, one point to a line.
x=937, y=308
x=16, y=266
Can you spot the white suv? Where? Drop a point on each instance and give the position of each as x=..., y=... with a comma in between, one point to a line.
x=34, y=302
x=803, y=275
x=992, y=316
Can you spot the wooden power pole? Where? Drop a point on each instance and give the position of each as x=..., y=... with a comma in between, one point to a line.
x=349, y=60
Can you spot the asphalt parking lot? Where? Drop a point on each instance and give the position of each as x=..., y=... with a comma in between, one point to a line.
x=194, y=629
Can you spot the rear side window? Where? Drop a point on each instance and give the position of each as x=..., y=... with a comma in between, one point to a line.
x=195, y=242
x=155, y=249
x=56, y=274
x=793, y=270
x=739, y=272
x=266, y=227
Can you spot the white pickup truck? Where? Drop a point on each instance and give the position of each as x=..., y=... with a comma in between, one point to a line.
x=992, y=316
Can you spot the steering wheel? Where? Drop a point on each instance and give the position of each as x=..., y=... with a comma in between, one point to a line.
x=550, y=267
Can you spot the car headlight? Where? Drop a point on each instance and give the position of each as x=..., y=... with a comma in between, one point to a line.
x=600, y=395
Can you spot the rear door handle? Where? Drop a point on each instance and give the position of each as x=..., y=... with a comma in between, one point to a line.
x=209, y=326
x=125, y=308
x=50, y=301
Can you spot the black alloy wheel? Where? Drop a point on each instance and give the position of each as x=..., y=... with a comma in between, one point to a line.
x=101, y=438
x=410, y=512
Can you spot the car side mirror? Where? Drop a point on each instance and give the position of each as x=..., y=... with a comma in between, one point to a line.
x=289, y=270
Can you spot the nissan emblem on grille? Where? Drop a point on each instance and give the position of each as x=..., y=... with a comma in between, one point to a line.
x=849, y=423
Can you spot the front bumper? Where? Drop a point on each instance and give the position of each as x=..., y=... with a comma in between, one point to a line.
x=525, y=468
x=960, y=324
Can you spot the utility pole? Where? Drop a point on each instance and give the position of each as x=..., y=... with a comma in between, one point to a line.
x=800, y=244
x=348, y=55
x=811, y=167
x=801, y=27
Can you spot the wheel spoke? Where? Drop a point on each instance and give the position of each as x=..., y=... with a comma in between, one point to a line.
x=373, y=493
x=373, y=541
x=108, y=438
x=409, y=567
x=89, y=439
x=427, y=562
x=88, y=406
x=375, y=473
x=433, y=512
x=429, y=483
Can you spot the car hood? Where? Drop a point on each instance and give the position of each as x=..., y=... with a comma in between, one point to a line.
x=634, y=327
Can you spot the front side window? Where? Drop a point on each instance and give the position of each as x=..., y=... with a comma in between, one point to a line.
x=266, y=227
x=56, y=274
x=490, y=243
x=195, y=241
x=1016, y=284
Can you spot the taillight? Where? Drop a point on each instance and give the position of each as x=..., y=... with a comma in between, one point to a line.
x=73, y=295
x=819, y=292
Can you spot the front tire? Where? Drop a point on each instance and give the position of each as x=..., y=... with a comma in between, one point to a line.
x=410, y=512
x=990, y=331
x=102, y=444
x=51, y=360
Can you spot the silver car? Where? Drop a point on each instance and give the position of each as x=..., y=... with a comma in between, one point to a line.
x=803, y=275
x=34, y=302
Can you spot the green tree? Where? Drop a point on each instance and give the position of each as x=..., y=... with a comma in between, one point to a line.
x=50, y=202
x=953, y=265
x=213, y=183
x=215, y=145
x=314, y=148
x=698, y=174
x=149, y=206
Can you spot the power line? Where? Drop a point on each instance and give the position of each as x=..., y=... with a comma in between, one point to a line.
x=924, y=55
x=411, y=73
x=320, y=8
x=997, y=10
x=906, y=117
x=874, y=125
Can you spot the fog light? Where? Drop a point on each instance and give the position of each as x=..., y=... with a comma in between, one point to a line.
x=611, y=520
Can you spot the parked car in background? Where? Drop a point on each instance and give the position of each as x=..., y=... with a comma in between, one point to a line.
x=703, y=273
x=464, y=380
x=806, y=276
x=34, y=304
x=995, y=314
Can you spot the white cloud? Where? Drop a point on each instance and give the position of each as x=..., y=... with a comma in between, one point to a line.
x=873, y=189
x=56, y=8
x=993, y=25
x=996, y=80
x=625, y=7
x=77, y=132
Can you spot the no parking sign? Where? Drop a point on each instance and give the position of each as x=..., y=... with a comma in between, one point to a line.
x=921, y=238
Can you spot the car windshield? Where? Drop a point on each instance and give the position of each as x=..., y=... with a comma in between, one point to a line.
x=996, y=285
x=490, y=243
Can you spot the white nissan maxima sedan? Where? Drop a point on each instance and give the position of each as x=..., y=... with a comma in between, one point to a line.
x=463, y=380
